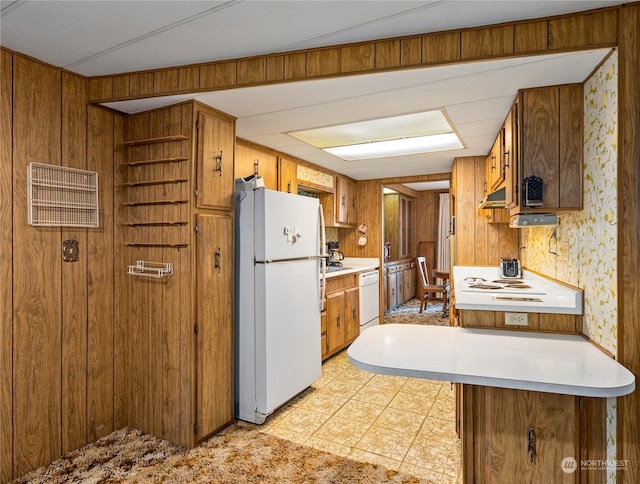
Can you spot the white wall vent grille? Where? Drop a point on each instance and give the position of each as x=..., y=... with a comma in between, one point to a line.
x=62, y=197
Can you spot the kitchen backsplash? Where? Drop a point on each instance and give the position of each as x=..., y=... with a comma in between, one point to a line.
x=332, y=233
x=587, y=240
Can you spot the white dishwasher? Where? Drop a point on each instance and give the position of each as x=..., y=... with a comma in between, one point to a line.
x=369, y=283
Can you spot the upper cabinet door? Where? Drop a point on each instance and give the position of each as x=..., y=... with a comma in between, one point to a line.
x=251, y=160
x=216, y=143
x=288, y=175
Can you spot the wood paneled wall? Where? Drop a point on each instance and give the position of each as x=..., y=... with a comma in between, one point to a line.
x=6, y=266
x=155, y=317
x=426, y=213
x=583, y=30
x=41, y=105
x=56, y=318
x=629, y=237
x=370, y=209
x=477, y=241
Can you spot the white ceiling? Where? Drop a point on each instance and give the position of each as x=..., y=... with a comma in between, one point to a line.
x=108, y=37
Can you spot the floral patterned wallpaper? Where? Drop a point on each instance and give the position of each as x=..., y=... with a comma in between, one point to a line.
x=586, y=241
x=586, y=244
x=314, y=176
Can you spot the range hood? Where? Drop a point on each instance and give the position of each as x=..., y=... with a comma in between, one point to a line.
x=497, y=199
x=533, y=219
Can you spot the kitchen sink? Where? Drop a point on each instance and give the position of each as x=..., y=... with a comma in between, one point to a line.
x=336, y=268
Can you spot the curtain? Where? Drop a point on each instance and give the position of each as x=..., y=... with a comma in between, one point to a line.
x=442, y=255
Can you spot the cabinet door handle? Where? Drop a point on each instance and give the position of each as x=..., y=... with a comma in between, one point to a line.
x=256, y=167
x=493, y=163
x=344, y=200
x=338, y=320
x=506, y=159
x=288, y=187
x=354, y=314
x=531, y=448
x=217, y=259
x=219, y=163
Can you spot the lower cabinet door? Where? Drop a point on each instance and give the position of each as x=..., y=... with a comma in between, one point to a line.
x=336, y=321
x=352, y=313
x=522, y=436
x=214, y=337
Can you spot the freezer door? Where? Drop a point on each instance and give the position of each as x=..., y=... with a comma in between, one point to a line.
x=288, y=357
x=286, y=226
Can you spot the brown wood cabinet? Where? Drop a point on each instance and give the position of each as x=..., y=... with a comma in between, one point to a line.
x=214, y=316
x=352, y=212
x=398, y=213
x=517, y=434
x=542, y=322
x=256, y=160
x=342, y=313
x=392, y=289
x=215, y=160
x=178, y=330
x=547, y=140
x=340, y=208
x=496, y=162
x=287, y=175
x=399, y=283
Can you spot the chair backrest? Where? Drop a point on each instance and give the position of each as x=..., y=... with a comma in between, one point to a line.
x=424, y=271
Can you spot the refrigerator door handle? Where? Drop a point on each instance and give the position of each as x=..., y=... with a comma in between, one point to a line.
x=323, y=260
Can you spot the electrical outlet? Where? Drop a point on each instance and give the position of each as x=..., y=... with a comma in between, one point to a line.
x=515, y=319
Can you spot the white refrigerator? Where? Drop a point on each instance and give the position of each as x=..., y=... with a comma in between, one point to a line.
x=278, y=300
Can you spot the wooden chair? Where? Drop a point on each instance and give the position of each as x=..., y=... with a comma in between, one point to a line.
x=425, y=289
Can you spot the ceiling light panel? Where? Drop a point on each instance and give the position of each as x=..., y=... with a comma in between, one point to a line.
x=403, y=146
x=377, y=138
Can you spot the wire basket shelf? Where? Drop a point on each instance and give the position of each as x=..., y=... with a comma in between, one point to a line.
x=62, y=197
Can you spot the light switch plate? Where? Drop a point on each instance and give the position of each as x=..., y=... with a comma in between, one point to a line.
x=515, y=319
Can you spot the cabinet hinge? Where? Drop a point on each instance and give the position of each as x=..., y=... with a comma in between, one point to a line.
x=195, y=428
x=195, y=328
x=196, y=192
x=197, y=125
x=195, y=227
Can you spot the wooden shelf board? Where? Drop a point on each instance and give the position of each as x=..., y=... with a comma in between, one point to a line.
x=153, y=224
x=156, y=244
x=155, y=182
x=155, y=202
x=161, y=139
x=156, y=161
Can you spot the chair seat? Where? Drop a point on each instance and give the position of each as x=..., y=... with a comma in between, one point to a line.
x=426, y=288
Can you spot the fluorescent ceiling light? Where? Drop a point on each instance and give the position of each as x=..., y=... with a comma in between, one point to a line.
x=398, y=135
x=397, y=147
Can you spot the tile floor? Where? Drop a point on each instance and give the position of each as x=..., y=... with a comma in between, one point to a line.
x=405, y=424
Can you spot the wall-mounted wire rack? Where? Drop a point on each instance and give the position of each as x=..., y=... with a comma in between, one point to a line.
x=62, y=197
x=157, y=270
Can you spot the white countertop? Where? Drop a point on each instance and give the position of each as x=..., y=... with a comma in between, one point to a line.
x=555, y=297
x=555, y=363
x=356, y=264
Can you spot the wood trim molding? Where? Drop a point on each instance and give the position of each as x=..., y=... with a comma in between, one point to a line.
x=628, y=419
x=582, y=30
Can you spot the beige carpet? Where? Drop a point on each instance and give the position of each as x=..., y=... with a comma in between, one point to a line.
x=239, y=454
